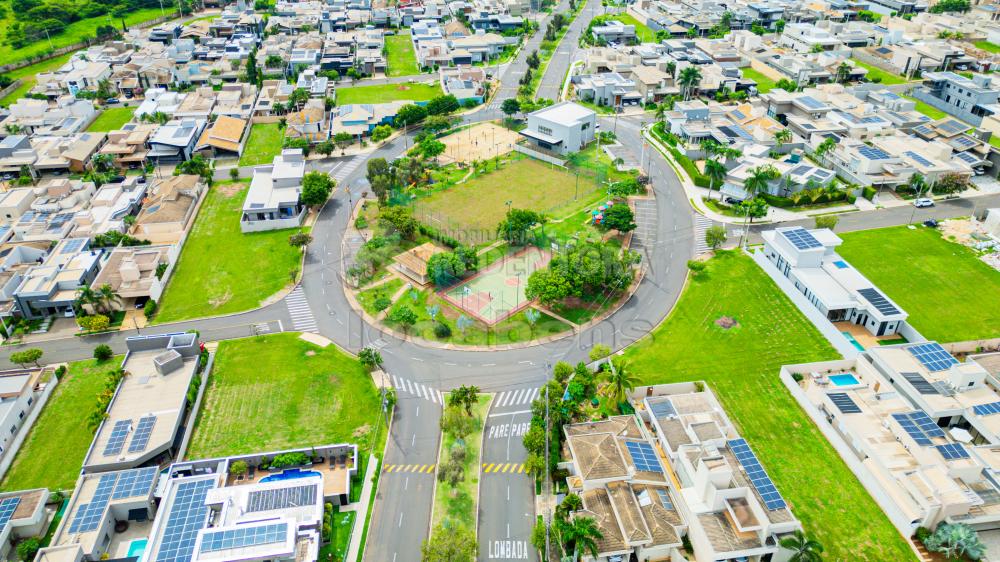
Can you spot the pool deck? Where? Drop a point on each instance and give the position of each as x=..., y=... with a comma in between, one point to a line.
x=863, y=336
x=119, y=545
x=334, y=478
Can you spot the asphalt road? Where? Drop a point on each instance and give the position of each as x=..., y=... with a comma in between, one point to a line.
x=567, y=51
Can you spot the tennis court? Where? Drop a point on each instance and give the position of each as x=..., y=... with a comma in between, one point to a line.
x=497, y=292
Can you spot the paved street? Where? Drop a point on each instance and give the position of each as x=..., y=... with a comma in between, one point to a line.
x=568, y=51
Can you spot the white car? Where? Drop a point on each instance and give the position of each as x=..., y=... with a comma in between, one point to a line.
x=923, y=202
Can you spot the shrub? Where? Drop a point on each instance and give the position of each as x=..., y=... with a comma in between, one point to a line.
x=238, y=468
x=796, y=377
x=361, y=223
x=60, y=371
x=599, y=351
x=442, y=331
x=696, y=267
x=150, y=309
x=27, y=548
x=289, y=459
x=382, y=302
x=922, y=534
x=103, y=352
x=869, y=192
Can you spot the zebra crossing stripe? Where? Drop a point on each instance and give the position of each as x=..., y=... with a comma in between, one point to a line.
x=500, y=398
x=298, y=308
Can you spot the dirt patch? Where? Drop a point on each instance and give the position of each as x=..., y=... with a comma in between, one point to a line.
x=480, y=142
x=726, y=322
x=220, y=300
x=310, y=353
x=361, y=431
x=402, y=87
x=229, y=189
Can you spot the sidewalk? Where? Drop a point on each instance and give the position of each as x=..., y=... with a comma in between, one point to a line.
x=361, y=508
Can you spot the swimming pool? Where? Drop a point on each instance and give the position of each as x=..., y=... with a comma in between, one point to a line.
x=137, y=547
x=290, y=474
x=844, y=379
x=853, y=341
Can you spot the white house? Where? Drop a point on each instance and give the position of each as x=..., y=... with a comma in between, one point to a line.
x=562, y=128
x=273, y=198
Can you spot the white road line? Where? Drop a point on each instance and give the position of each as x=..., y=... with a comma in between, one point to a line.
x=440, y=397
x=519, y=398
x=408, y=387
x=395, y=381
x=510, y=413
x=500, y=399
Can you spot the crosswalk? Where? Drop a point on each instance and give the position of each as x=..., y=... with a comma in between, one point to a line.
x=413, y=388
x=644, y=236
x=410, y=468
x=505, y=468
x=346, y=169
x=515, y=397
x=298, y=308
x=701, y=224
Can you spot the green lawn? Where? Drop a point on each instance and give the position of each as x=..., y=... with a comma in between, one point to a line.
x=457, y=506
x=222, y=270
x=52, y=454
x=400, y=58
x=387, y=92
x=888, y=78
x=368, y=297
x=27, y=75
x=987, y=46
x=343, y=525
x=927, y=109
x=642, y=33
x=277, y=392
x=741, y=365
x=764, y=84
x=111, y=119
x=942, y=285
x=263, y=145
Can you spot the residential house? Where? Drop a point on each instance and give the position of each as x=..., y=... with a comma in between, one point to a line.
x=128, y=145
x=49, y=289
x=359, y=120
x=29, y=518
x=176, y=140
x=137, y=273
x=608, y=89
x=109, y=207
x=308, y=123
x=413, y=262
x=53, y=210
x=272, y=92
x=466, y=83
x=20, y=390
x=169, y=209
x=561, y=128
x=223, y=138
x=29, y=116
x=967, y=99
x=272, y=202
x=614, y=32
x=653, y=84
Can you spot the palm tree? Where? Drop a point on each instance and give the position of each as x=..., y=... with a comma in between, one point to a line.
x=917, y=184
x=758, y=179
x=716, y=172
x=781, y=137
x=843, y=72
x=583, y=533
x=621, y=380
x=85, y=295
x=803, y=549
x=107, y=295
x=689, y=80
x=825, y=146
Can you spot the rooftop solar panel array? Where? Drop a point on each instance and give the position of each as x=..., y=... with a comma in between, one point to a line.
x=879, y=301
x=918, y=158
x=663, y=409
x=137, y=482
x=88, y=516
x=241, y=537
x=968, y=158
x=987, y=409
x=665, y=500
x=757, y=475
x=7, y=508
x=188, y=515
x=281, y=498
x=919, y=426
x=952, y=126
x=143, y=430
x=872, y=153
x=932, y=356
x=952, y=451
x=73, y=245
x=920, y=383
x=801, y=238
x=811, y=102
x=643, y=456
x=117, y=439
x=964, y=142
x=844, y=403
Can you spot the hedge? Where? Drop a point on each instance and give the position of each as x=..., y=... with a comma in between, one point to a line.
x=786, y=202
x=869, y=192
x=696, y=176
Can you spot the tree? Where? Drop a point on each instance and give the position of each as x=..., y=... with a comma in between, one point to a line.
x=442, y=105
x=410, y=114
x=955, y=541
x=273, y=61
x=917, y=184
x=455, y=423
x=828, y=221
x=781, y=137
x=404, y=317
x=826, y=146
x=238, y=468
x=343, y=139
x=752, y=208
x=950, y=6
x=316, y=188
x=197, y=166
x=539, y=537
x=431, y=148
x=253, y=74
x=549, y=287
x=715, y=236
x=510, y=106
x=599, y=351
x=108, y=296
x=689, y=80
x=844, y=72
x=399, y=219
x=438, y=123
x=620, y=381
x=758, y=179
x=381, y=132
x=787, y=85
x=619, y=217
x=581, y=533
x=516, y=224
x=28, y=548
x=103, y=352
x=445, y=268
x=370, y=358
x=450, y=543
x=326, y=147
x=952, y=182
x=803, y=549
x=299, y=239
x=716, y=172
x=86, y=295
x=30, y=355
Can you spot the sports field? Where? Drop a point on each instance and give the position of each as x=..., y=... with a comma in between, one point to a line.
x=497, y=292
x=479, y=142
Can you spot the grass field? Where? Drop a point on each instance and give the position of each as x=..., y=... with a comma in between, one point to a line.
x=222, y=270
x=400, y=58
x=277, y=392
x=27, y=75
x=642, y=33
x=387, y=92
x=764, y=84
x=926, y=108
x=888, y=78
x=987, y=46
x=111, y=119
x=52, y=454
x=942, y=285
x=741, y=365
x=457, y=506
x=263, y=145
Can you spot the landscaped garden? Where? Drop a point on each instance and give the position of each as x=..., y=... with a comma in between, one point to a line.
x=987, y=46
x=399, y=55
x=876, y=74
x=455, y=496
x=111, y=119
x=642, y=33
x=263, y=144
x=764, y=84
x=930, y=277
x=347, y=95
x=926, y=108
x=57, y=443
x=221, y=269
x=740, y=362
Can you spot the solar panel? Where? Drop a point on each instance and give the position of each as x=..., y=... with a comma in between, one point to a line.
x=7, y=508
x=243, y=536
x=142, y=433
x=134, y=483
x=643, y=456
x=117, y=439
x=932, y=356
x=756, y=474
x=281, y=498
x=801, y=238
x=872, y=153
x=952, y=126
x=663, y=409
x=919, y=426
x=188, y=515
x=802, y=169
x=665, y=498
x=918, y=158
x=872, y=120
x=811, y=102
x=73, y=245
x=89, y=515
x=987, y=409
x=844, y=403
x=920, y=383
x=951, y=451
x=923, y=130
x=879, y=301
x=964, y=142
x=966, y=157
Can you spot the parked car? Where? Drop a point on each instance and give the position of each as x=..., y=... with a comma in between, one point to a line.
x=732, y=201
x=931, y=223
x=111, y=101
x=923, y=202
x=117, y=179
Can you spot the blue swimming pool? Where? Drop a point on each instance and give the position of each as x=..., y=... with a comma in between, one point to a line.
x=844, y=379
x=853, y=341
x=290, y=474
x=137, y=547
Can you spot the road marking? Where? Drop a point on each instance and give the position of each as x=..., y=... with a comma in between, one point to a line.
x=500, y=398
x=508, y=550
x=507, y=430
x=298, y=308
x=409, y=468
x=510, y=413
x=503, y=468
x=400, y=519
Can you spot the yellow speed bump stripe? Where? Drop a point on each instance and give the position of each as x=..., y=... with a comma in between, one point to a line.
x=421, y=468
x=506, y=468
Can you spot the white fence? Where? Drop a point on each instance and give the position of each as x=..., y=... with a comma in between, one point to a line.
x=539, y=155
x=22, y=434
x=273, y=224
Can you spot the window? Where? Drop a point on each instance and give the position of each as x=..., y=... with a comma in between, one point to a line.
x=30, y=400
x=585, y=127
x=21, y=415
x=544, y=130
